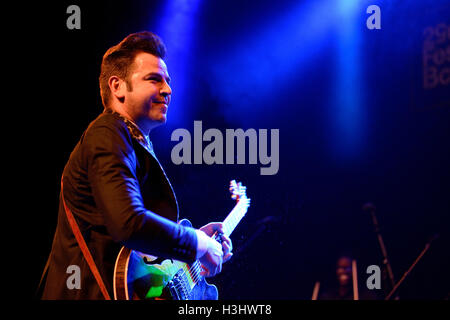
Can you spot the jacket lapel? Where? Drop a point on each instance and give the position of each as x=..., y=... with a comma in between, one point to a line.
x=145, y=143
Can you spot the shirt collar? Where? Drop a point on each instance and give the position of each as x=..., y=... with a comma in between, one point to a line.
x=135, y=131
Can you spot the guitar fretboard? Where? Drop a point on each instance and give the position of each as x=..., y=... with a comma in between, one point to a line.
x=236, y=215
x=192, y=273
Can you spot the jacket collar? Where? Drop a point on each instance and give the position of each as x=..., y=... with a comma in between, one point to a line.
x=145, y=142
x=136, y=132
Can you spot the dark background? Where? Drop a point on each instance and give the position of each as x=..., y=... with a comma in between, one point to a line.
x=356, y=125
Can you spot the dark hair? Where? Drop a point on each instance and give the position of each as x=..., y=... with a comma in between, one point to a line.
x=117, y=60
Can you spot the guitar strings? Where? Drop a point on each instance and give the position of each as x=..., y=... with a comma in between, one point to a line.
x=195, y=269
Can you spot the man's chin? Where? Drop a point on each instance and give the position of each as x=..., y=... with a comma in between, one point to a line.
x=159, y=117
x=161, y=120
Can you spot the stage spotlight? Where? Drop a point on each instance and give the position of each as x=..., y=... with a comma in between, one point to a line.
x=177, y=26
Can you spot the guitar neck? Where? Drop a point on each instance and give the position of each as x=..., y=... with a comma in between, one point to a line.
x=235, y=216
x=229, y=224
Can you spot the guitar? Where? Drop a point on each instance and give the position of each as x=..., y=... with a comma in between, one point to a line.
x=141, y=276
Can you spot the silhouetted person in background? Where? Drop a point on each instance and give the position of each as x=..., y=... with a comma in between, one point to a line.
x=343, y=288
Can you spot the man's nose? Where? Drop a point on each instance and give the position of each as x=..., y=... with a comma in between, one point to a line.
x=166, y=90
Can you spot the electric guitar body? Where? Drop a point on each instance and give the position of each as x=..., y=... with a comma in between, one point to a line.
x=140, y=276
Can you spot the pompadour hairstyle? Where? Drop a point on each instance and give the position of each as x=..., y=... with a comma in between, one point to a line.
x=118, y=60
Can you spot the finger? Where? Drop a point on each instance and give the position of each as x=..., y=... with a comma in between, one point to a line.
x=218, y=226
x=204, y=272
x=227, y=257
x=212, y=227
x=219, y=267
x=226, y=248
x=227, y=240
x=218, y=249
x=208, y=274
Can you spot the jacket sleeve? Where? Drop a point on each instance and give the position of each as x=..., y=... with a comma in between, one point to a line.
x=115, y=187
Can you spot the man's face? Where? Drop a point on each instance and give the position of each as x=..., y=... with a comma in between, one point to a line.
x=344, y=270
x=149, y=96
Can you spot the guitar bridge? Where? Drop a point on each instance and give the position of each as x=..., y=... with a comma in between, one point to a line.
x=179, y=286
x=173, y=291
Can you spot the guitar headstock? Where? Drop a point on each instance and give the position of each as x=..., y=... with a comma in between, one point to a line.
x=238, y=191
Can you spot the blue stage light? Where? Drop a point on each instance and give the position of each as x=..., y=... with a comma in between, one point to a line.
x=177, y=27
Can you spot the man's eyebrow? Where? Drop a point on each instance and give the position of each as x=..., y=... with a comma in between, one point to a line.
x=159, y=75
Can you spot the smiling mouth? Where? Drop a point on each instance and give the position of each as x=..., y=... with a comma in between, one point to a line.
x=163, y=105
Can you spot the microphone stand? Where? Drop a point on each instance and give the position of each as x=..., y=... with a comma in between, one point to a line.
x=371, y=208
x=427, y=246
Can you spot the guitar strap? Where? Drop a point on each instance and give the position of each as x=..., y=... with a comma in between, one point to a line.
x=84, y=248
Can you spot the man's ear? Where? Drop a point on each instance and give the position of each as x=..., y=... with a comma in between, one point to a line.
x=117, y=87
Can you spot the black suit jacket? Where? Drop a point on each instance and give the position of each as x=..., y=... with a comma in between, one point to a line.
x=120, y=196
